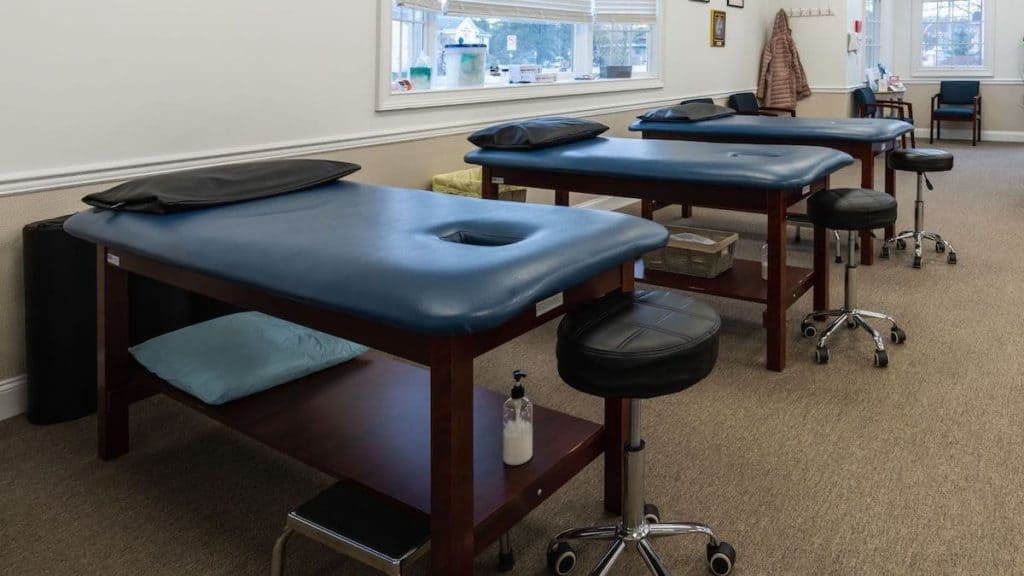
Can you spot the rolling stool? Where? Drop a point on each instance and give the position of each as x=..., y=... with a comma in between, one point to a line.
x=635, y=346
x=851, y=209
x=921, y=161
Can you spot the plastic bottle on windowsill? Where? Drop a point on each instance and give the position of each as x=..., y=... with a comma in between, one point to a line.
x=517, y=425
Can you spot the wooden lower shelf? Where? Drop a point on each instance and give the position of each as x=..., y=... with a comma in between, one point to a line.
x=742, y=282
x=368, y=421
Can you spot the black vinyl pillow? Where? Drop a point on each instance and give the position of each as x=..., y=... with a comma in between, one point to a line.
x=536, y=133
x=692, y=112
x=192, y=189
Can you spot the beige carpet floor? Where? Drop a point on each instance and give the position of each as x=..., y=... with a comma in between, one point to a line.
x=841, y=469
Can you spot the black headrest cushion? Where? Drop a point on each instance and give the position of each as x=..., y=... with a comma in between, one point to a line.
x=536, y=133
x=192, y=189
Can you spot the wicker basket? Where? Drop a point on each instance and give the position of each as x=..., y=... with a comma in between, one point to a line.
x=469, y=183
x=694, y=258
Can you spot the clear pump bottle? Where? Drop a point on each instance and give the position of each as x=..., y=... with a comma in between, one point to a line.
x=517, y=424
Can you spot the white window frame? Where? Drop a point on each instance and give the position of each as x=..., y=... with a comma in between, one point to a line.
x=986, y=69
x=388, y=100
x=881, y=42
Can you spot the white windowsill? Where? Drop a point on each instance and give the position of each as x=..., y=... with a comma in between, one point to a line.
x=923, y=73
x=388, y=100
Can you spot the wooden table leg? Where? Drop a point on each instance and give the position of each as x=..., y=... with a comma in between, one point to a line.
x=112, y=357
x=775, y=312
x=890, y=188
x=616, y=419
x=822, y=258
x=488, y=189
x=451, y=458
x=867, y=180
x=561, y=197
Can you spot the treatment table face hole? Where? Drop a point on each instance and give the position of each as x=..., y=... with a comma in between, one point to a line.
x=476, y=238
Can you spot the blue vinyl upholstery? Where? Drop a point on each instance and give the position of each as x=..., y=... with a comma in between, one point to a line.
x=959, y=92
x=786, y=128
x=954, y=112
x=737, y=165
x=429, y=263
x=864, y=97
x=745, y=103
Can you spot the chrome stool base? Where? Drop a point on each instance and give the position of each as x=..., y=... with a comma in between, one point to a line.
x=852, y=317
x=640, y=524
x=918, y=234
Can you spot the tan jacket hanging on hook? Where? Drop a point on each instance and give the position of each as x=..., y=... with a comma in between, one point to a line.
x=782, y=81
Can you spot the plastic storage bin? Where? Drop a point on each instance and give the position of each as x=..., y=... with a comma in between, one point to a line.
x=465, y=64
x=692, y=258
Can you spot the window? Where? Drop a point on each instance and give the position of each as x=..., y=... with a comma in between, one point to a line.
x=873, y=34
x=441, y=51
x=953, y=37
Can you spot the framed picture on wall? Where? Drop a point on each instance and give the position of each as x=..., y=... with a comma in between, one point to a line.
x=717, y=28
x=734, y=3
x=704, y=1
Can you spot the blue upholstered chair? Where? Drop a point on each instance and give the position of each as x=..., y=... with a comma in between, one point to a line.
x=869, y=107
x=746, y=104
x=957, y=101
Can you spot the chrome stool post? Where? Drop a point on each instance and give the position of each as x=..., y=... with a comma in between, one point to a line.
x=921, y=161
x=852, y=317
x=640, y=523
x=634, y=346
x=851, y=210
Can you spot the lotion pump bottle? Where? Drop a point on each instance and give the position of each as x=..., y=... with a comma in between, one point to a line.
x=517, y=424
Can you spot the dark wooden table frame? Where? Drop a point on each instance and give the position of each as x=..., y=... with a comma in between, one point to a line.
x=785, y=284
x=863, y=151
x=319, y=421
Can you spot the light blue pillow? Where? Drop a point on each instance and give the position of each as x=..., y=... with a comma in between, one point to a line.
x=239, y=355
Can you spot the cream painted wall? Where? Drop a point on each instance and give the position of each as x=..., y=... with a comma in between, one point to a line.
x=1002, y=93
x=408, y=164
x=121, y=83
x=88, y=85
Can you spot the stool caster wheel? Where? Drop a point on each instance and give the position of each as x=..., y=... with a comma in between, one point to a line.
x=886, y=252
x=808, y=330
x=506, y=561
x=851, y=325
x=561, y=559
x=917, y=261
x=881, y=358
x=651, y=514
x=951, y=258
x=898, y=336
x=901, y=244
x=721, y=558
x=821, y=355
x=940, y=247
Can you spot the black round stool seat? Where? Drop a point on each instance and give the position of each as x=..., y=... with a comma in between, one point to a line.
x=639, y=345
x=851, y=209
x=921, y=160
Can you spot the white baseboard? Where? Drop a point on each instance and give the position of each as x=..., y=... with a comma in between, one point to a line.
x=965, y=134
x=13, y=397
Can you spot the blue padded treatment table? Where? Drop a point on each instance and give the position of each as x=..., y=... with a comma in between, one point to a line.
x=741, y=177
x=430, y=281
x=862, y=138
x=475, y=265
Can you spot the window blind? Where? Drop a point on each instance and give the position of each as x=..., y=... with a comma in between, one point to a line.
x=434, y=5
x=626, y=11
x=557, y=10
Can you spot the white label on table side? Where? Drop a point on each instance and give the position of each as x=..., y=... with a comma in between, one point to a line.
x=548, y=304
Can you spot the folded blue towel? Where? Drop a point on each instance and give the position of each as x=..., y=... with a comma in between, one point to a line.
x=239, y=355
